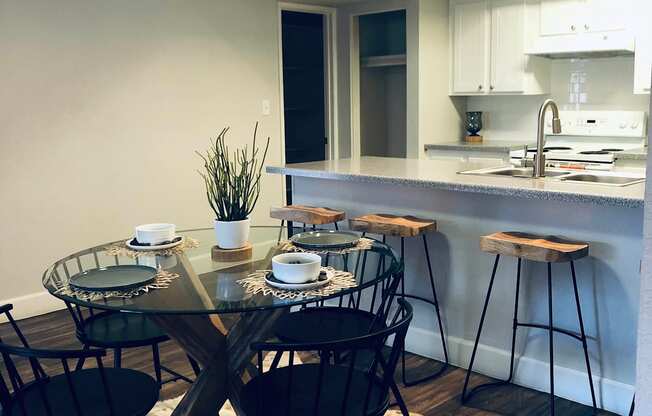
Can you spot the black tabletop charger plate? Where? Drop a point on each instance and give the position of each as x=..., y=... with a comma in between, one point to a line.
x=135, y=242
x=121, y=277
x=325, y=240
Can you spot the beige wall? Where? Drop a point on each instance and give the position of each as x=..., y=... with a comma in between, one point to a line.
x=102, y=105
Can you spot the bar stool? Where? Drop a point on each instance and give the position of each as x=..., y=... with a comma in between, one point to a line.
x=306, y=215
x=539, y=249
x=405, y=227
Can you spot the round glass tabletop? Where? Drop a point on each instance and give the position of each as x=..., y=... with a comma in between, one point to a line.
x=205, y=286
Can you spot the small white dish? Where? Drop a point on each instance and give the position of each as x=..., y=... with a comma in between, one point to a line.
x=274, y=282
x=154, y=234
x=133, y=244
x=296, y=268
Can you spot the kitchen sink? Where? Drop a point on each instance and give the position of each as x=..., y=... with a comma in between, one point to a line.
x=514, y=172
x=601, y=178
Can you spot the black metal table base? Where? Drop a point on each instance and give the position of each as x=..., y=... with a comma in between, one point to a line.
x=516, y=324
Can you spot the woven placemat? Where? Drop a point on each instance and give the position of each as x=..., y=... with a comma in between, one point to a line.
x=340, y=280
x=362, y=244
x=162, y=280
x=121, y=249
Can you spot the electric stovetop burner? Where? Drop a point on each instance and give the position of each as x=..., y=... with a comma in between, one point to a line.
x=557, y=148
x=550, y=148
x=595, y=152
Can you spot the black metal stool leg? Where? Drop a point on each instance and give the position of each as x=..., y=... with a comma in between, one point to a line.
x=435, y=303
x=515, y=321
x=583, y=334
x=157, y=365
x=336, y=227
x=477, y=337
x=551, y=343
x=631, y=409
x=280, y=231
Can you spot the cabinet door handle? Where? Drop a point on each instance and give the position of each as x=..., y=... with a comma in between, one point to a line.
x=491, y=87
x=573, y=28
x=586, y=27
x=480, y=86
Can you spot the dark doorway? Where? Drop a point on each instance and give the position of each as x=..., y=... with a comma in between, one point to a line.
x=303, y=86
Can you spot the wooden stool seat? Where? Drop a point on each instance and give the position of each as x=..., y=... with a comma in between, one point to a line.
x=307, y=215
x=534, y=247
x=392, y=225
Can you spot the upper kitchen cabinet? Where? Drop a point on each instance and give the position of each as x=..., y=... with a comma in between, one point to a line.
x=643, y=58
x=572, y=17
x=488, y=41
x=573, y=28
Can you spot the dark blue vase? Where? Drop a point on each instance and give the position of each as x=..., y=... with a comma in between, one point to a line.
x=473, y=122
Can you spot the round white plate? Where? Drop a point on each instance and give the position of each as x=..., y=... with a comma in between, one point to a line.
x=153, y=248
x=298, y=286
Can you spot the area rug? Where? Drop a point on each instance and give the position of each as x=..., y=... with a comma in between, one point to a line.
x=165, y=407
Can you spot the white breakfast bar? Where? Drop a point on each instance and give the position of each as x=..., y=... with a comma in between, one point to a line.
x=467, y=207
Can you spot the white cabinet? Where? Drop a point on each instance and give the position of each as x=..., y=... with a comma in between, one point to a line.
x=507, y=46
x=470, y=21
x=560, y=17
x=643, y=57
x=488, y=39
x=573, y=17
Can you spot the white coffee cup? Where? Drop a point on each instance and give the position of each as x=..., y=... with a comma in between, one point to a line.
x=154, y=234
x=296, y=267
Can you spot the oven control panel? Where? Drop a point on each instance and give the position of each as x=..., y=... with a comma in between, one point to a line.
x=600, y=123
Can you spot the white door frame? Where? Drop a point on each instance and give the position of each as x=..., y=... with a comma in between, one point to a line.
x=330, y=72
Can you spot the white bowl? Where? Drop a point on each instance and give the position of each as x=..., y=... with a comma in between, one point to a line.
x=296, y=267
x=155, y=233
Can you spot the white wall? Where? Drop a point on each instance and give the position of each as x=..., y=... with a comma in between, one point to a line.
x=644, y=355
x=609, y=86
x=102, y=106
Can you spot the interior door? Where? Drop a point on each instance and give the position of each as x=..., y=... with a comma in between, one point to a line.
x=470, y=47
x=304, y=86
x=507, y=45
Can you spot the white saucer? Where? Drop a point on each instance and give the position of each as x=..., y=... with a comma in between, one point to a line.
x=153, y=248
x=299, y=286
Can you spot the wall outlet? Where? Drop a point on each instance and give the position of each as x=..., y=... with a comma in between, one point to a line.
x=266, y=108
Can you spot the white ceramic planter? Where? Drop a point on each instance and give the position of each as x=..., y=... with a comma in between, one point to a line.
x=232, y=234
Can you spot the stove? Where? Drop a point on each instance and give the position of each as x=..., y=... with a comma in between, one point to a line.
x=591, y=137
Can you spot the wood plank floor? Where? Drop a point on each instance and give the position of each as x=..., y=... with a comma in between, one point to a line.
x=439, y=397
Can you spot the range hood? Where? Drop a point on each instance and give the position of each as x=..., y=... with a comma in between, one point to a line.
x=589, y=45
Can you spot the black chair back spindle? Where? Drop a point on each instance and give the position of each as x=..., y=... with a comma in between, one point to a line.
x=342, y=388
x=13, y=393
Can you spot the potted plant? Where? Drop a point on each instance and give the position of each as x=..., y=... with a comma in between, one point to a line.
x=232, y=187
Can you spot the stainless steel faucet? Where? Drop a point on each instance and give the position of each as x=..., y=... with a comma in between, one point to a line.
x=540, y=159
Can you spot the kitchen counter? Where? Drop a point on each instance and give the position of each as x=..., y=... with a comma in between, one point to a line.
x=443, y=174
x=466, y=207
x=633, y=154
x=485, y=146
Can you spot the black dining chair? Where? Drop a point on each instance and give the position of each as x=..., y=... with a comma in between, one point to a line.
x=118, y=331
x=88, y=392
x=327, y=387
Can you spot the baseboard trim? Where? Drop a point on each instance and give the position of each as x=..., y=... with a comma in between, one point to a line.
x=570, y=384
x=33, y=304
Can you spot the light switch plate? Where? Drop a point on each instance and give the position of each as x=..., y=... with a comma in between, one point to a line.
x=266, y=108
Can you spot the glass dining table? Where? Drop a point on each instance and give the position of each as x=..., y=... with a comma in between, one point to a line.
x=206, y=308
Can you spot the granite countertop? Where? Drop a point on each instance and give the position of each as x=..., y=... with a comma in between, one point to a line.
x=485, y=146
x=443, y=174
x=632, y=154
